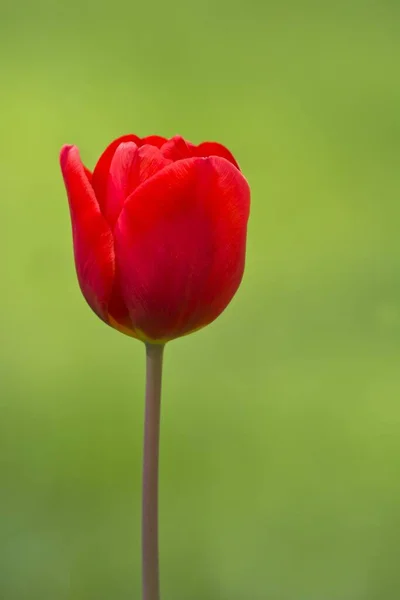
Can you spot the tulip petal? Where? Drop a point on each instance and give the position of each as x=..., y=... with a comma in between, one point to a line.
x=177, y=148
x=102, y=168
x=130, y=166
x=118, y=181
x=153, y=140
x=180, y=246
x=88, y=174
x=93, y=241
x=215, y=149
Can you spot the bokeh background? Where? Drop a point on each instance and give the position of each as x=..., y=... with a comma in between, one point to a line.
x=280, y=454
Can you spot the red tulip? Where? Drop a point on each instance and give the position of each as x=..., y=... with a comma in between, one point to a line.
x=159, y=231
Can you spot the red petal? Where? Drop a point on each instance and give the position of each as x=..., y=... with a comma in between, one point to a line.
x=180, y=246
x=93, y=241
x=148, y=161
x=130, y=167
x=88, y=175
x=215, y=149
x=153, y=140
x=177, y=148
x=100, y=173
x=119, y=186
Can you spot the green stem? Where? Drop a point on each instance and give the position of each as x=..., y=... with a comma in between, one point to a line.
x=150, y=574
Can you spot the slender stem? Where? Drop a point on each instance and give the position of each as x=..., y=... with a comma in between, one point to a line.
x=150, y=576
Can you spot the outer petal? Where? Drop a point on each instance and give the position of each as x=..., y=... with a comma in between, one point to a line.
x=93, y=241
x=180, y=246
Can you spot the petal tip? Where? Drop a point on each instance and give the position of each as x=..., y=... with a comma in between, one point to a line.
x=64, y=153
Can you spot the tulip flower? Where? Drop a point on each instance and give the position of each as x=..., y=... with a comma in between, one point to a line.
x=159, y=232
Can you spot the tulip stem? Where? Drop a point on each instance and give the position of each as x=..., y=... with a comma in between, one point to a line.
x=150, y=574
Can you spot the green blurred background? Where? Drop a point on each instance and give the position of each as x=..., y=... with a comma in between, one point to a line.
x=280, y=454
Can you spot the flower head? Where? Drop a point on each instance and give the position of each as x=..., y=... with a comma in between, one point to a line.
x=159, y=232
